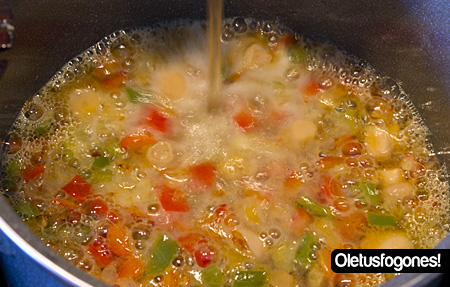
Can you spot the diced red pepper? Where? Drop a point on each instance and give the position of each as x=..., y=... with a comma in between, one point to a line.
x=118, y=240
x=312, y=88
x=294, y=180
x=97, y=208
x=352, y=148
x=78, y=188
x=329, y=189
x=100, y=251
x=105, y=70
x=330, y=161
x=74, y=216
x=67, y=203
x=416, y=168
x=278, y=115
x=300, y=221
x=14, y=144
x=115, y=81
x=33, y=171
x=113, y=216
x=200, y=247
x=325, y=260
x=172, y=199
x=343, y=140
x=245, y=120
x=221, y=211
x=72, y=206
x=220, y=214
x=205, y=255
x=137, y=140
x=436, y=204
x=233, y=78
x=157, y=120
x=131, y=268
x=177, y=220
x=190, y=241
x=287, y=41
x=276, y=169
x=203, y=175
x=351, y=227
x=341, y=203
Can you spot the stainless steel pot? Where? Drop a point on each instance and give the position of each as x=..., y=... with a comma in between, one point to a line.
x=405, y=39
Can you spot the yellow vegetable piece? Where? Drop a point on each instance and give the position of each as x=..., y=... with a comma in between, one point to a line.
x=385, y=239
x=302, y=131
x=231, y=166
x=391, y=176
x=396, y=192
x=252, y=213
x=379, y=143
x=280, y=278
x=254, y=243
x=84, y=102
x=160, y=154
x=398, y=241
x=256, y=56
x=284, y=253
x=172, y=84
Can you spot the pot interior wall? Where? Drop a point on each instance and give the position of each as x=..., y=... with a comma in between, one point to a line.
x=406, y=40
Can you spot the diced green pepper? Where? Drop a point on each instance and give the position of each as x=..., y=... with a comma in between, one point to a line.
x=86, y=174
x=112, y=150
x=162, y=255
x=10, y=185
x=376, y=219
x=42, y=130
x=27, y=208
x=352, y=115
x=14, y=168
x=64, y=231
x=100, y=162
x=310, y=206
x=250, y=279
x=101, y=175
x=305, y=249
x=212, y=276
x=278, y=85
x=136, y=97
x=298, y=55
x=67, y=152
x=108, y=154
x=369, y=193
x=133, y=96
x=82, y=233
x=37, y=224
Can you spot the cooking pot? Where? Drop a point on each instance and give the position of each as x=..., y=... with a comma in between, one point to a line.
x=404, y=39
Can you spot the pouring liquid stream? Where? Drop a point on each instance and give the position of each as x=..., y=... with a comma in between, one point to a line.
x=215, y=8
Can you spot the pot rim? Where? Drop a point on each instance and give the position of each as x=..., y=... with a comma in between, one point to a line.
x=25, y=240
x=40, y=258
